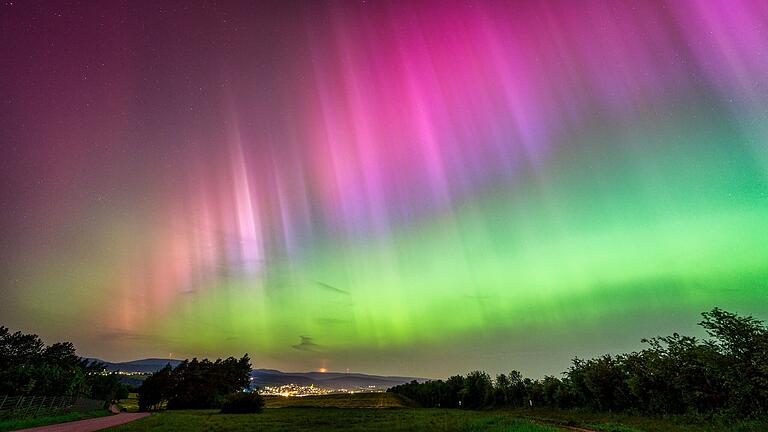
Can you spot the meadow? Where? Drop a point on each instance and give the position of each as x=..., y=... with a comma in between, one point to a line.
x=625, y=422
x=390, y=412
x=336, y=419
x=357, y=400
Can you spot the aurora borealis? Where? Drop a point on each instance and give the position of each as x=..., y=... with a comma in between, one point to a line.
x=384, y=186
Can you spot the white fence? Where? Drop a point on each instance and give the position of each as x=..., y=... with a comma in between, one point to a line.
x=40, y=406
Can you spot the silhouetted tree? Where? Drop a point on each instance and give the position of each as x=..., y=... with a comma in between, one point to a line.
x=675, y=374
x=195, y=384
x=29, y=367
x=155, y=391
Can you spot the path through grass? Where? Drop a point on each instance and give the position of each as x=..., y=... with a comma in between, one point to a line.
x=9, y=425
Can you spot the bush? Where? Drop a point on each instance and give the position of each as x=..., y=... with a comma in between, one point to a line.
x=243, y=403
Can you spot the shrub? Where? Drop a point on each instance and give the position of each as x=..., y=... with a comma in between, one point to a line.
x=243, y=403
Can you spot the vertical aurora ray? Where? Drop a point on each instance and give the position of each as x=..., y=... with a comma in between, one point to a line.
x=418, y=188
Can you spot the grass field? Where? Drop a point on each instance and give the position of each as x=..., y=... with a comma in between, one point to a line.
x=363, y=412
x=337, y=419
x=360, y=400
x=8, y=425
x=618, y=422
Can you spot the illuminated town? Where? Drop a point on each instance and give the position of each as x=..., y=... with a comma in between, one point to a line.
x=285, y=390
x=295, y=390
x=128, y=373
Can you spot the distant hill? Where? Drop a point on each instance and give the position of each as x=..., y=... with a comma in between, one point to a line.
x=331, y=380
x=149, y=365
x=272, y=377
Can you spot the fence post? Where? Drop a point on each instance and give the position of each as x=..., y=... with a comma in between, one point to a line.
x=26, y=411
x=18, y=403
x=3, y=402
x=40, y=406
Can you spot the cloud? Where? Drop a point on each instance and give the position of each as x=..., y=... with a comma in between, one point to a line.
x=333, y=288
x=307, y=344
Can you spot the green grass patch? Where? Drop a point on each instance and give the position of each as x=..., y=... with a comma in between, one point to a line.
x=8, y=425
x=131, y=404
x=620, y=422
x=335, y=419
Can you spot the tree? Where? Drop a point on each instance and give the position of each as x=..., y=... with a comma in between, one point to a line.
x=195, y=384
x=477, y=391
x=29, y=367
x=726, y=373
x=516, y=389
x=501, y=391
x=743, y=365
x=106, y=386
x=155, y=391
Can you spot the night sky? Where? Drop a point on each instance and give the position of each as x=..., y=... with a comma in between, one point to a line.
x=394, y=187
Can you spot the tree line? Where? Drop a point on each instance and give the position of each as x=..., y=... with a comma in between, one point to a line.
x=197, y=384
x=727, y=372
x=28, y=367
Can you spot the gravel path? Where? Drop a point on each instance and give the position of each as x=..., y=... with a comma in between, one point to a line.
x=89, y=425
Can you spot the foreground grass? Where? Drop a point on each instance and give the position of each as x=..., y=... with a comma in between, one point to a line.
x=341, y=419
x=618, y=422
x=359, y=400
x=9, y=425
x=362, y=412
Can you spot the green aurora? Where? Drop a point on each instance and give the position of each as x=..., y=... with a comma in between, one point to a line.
x=422, y=196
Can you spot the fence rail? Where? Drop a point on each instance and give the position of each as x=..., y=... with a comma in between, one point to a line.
x=40, y=406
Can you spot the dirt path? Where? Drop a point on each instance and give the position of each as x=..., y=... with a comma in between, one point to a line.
x=89, y=425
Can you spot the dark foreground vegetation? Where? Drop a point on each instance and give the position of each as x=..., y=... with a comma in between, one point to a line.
x=200, y=384
x=243, y=403
x=723, y=376
x=30, y=368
